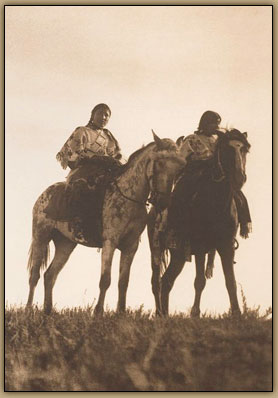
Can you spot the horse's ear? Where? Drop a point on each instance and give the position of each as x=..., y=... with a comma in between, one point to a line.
x=157, y=140
x=180, y=140
x=245, y=134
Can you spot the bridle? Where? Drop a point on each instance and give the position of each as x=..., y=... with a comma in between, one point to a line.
x=220, y=168
x=219, y=164
x=146, y=203
x=154, y=192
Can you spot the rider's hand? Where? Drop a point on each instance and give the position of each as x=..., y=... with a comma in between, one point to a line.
x=82, y=155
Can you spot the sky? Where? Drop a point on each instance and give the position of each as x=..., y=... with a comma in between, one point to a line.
x=157, y=67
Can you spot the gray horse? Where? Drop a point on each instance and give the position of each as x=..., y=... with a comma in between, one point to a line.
x=150, y=170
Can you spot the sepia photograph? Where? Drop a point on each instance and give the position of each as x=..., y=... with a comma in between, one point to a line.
x=138, y=198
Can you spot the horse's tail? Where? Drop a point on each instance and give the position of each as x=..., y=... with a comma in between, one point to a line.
x=42, y=255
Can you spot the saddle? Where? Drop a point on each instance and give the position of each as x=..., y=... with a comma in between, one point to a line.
x=79, y=200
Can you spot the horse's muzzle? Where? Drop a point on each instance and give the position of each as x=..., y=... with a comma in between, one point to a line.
x=239, y=179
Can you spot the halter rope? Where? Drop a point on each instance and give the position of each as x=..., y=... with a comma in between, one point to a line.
x=150, y=199
x=219, y=164
x=131, y=199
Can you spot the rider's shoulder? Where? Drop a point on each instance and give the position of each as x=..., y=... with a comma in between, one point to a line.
x=109, y=134
x=183, y=138
x=191, y=138
x=79, y=131
x=111, y=137
x=186, y=140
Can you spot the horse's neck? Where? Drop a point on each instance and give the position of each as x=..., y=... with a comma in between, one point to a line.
x=221, y=196
x=234, y=176
x=134, y=180
x=219, y=181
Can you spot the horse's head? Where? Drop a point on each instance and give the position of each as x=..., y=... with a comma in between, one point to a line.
x=162, y=168
x=231, y=155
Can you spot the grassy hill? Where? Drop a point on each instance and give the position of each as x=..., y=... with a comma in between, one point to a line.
x=72, y=350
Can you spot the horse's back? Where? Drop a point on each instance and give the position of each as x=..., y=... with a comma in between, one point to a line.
x=97, y=168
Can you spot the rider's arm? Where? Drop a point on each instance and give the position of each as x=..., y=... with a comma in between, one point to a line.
x=192, y=146
x=186, y=146
x=113, y=148
x=74, y=149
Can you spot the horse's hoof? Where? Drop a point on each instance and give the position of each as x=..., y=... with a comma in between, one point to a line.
x=98, y=311
x=158, y=313
x=195, y=313
x=236, y=314
x=164, y=313
x=121, y=311
x=47, y=310
x=29, y=309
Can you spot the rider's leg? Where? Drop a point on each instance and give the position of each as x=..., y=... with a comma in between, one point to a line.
x=243, y=212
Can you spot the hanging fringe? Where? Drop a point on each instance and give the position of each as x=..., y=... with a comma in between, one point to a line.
x=61, y=159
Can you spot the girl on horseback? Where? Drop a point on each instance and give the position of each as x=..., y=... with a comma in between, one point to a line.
x=196, y=148
x=89, y=141
x=93, y=155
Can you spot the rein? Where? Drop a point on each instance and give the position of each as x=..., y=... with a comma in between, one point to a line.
x=150, y=200
x=219, y=164
x=131, y=199
x=239, y=136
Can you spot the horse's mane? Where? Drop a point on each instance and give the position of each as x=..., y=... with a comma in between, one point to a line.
x=234, y=134
x=212, y=164
x=166, y=144
x=134, y=156
x=138, y=152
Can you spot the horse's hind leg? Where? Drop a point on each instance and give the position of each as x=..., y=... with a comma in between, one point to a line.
x=38, y=258
x=174, y=269
x=125, y=264
x=63, y=249
x=199, y=283
x=105, y=279
x=227, y=253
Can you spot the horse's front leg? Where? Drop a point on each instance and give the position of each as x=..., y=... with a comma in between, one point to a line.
x=154, y=230
x=227, y=253
x=199, y=283
x=156, y=280
x=127, y=256
x=174, y=269
x=105, y=279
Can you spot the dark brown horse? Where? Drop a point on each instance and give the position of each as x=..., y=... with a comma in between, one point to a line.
x=212, y=223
